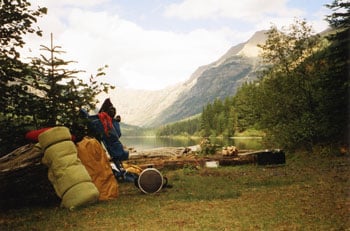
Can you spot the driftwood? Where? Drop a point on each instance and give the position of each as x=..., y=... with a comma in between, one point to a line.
x=180, y=159
x=24, y=180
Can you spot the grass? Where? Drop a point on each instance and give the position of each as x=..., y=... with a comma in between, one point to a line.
x=309, y=193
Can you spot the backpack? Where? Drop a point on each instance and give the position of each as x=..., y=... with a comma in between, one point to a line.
x=94, y=158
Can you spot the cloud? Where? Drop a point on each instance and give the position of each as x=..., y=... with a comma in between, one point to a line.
x=247, y=10
x=95, y=33
x=137, y=58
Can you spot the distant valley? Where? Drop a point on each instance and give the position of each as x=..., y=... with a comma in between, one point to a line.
x=219, y=79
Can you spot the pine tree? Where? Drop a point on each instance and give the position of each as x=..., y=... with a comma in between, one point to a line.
x=64, y=93
x=337, y=80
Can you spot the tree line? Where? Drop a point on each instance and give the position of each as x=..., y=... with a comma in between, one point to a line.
x=301, y=96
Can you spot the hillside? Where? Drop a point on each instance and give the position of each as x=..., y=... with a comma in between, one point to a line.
x=216, y=80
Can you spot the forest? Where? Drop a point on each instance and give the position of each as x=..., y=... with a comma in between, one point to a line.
x=300, y=99
x=301, y=96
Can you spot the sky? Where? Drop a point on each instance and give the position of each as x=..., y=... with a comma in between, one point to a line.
x=154, y=44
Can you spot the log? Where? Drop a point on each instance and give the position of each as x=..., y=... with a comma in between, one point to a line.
x=24, y=180
x=156, y=160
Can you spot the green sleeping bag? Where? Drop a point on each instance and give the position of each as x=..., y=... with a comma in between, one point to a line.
x=67, y=174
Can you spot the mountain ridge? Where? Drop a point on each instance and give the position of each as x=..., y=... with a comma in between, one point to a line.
x=218, y=79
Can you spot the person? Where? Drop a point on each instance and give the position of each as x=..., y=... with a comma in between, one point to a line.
x=115, y=119
x=106, y=129
x=124, y=154
x=117, y=125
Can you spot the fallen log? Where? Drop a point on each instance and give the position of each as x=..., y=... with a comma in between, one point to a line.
x=194, y=160
x=24, y=180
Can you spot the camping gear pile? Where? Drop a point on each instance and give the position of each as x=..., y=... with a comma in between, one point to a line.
x=56, y=168
x=106, y=130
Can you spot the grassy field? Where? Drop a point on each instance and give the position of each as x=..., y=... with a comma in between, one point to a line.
x=311, y=192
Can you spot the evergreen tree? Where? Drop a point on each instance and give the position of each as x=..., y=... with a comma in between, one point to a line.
x=207, y=120
x=336, y=81
x=246, y=103
x=181, y=128
x=64, y=94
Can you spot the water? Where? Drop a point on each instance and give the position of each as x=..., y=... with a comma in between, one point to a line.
x=149, y=142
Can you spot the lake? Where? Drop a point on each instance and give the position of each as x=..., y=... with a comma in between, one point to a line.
x=149, y=142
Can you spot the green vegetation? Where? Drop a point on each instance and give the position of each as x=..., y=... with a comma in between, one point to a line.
x=219, y=118
x=309, y=193
x=301, y=98
x=41, y=93
x=189, y=127
x=16, y=20
x=299, y=101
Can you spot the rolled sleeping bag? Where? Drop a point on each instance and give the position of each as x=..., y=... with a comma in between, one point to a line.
x=53, y=135
x=58, y=151
x=34, y=134
x=69, y=177
x=75, y=197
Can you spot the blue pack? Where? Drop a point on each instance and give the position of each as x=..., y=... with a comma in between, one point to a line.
x=110, y=140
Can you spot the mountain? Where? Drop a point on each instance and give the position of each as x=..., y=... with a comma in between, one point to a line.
x=216, y=80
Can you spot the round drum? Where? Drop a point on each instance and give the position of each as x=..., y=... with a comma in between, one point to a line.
x=150, y=180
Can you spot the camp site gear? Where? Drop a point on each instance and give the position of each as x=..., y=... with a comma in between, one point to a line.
x=68, y=176
x=101, y=125
x=271, y=157
x=126, y=172
x=150, y=181
x=33, y=135
x=94, y=158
